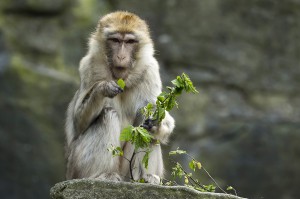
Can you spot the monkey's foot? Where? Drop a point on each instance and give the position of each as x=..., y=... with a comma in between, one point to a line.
x=109, y=176
x=152, y=178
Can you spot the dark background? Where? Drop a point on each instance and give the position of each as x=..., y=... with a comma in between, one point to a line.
x=243, y=56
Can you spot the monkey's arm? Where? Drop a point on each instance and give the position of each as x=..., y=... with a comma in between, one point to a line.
x=90, y=102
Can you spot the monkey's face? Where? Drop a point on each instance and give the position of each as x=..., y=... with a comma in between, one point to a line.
x=121, y=52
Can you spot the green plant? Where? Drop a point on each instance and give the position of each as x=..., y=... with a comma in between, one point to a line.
x=141, y=138
x=179, y=172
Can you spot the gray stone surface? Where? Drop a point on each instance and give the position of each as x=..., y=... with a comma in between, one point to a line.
x=94, y=189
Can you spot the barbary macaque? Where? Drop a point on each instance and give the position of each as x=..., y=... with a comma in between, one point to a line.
x=120, y=48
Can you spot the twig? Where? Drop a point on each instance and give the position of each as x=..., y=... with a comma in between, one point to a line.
x=234, y=190
x=213, y=180
x=207, y=174
x=125, y=158
x=170, y=181
x=197, y=183
x=194, y=181
x=130, y=166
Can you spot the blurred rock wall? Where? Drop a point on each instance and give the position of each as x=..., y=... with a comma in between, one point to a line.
x=33, y=83
x=242, y=55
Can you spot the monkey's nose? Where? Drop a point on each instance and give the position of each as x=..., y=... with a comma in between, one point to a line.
x=121, y=57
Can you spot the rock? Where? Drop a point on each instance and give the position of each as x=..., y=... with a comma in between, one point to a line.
x=94, y=189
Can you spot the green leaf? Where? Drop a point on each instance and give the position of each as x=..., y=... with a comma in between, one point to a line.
x=116, y=151
x=120, y=151
x=192, y=165
x=229, y=188
x=121, y=83
x=127, y=133
x=170, y=103
x=142, y=180
x=177, y=152
x=176, y=83
x=162, y=96
x=188, y=84
x=147, y=110
x=146, y=159
x=169, y=88
x=146, y=137
x=141, y=138
x=186, y=180
x=210, y=188
x=149, y=106
x=177, y=171
x=161, y=113
x=178, y=91
x=199, y=165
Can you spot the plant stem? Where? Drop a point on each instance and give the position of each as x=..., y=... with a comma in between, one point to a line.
x=130, y=166
x=214, y=180
x=197, y=183
x=207, y=174
x=194, y=181
x=234, y=191
x=170, y=181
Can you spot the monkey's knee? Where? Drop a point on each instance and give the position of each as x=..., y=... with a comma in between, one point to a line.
x=107, y=116
x=110, y=176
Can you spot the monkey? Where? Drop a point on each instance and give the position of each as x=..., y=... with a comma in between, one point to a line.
x=120, y=48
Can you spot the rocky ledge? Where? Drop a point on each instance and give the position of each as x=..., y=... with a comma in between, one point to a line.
x=94, y=189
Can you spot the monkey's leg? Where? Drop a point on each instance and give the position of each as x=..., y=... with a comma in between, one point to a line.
x=90, y=157
x=155, y=166
x=109, y=125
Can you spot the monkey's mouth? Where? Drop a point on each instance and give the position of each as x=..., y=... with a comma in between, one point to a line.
x=120, y=68
x=120, y=72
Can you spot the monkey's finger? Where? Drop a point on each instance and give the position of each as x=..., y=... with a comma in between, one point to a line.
x=147, y=121
x=151, y=122
x=145, y=126
x=117, y=90
x=120, y=90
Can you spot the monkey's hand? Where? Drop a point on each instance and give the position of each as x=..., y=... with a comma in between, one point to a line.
x=150, y=125
x=160, y=130
x=111, y=89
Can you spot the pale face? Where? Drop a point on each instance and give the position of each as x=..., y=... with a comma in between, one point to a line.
x=121, y=50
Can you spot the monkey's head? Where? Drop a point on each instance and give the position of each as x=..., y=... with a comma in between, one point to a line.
x=123, y=35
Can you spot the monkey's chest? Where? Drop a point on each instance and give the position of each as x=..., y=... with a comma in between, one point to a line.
x=127, y=110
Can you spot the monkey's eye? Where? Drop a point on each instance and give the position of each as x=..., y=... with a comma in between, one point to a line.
x=131, y=41
x=114, y=40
